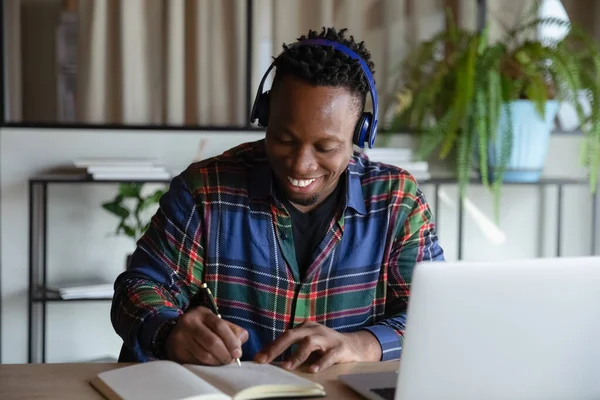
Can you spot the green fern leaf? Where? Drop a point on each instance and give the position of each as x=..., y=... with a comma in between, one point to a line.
x=482, y=133
x=434, y=136
x=462, y=163
x=463, y=94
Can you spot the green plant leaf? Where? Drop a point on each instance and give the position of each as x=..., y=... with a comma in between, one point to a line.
x=130, y=190
x=451, y=27
x=464, y=156
x=536, y=92
x=155, y=197
x=146, y=226
x=116, y=208
x=465, y=81
x=131, y=222
x=149, y=201
x=129, y=231
x=434, y=137
x=482, y=135
x=459, y=85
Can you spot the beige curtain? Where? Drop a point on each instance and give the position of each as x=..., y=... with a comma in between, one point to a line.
x=169, y=62
x=183, y=61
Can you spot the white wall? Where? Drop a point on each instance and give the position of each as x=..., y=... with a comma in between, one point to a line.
x=80, y=245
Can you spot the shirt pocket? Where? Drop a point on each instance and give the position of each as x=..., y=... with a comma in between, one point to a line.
x=241, y=239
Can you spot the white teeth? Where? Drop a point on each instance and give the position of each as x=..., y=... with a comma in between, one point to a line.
x=300, y=182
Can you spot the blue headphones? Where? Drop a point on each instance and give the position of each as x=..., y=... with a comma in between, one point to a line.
x=366, y=128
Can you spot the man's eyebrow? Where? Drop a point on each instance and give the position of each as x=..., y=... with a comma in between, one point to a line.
x=329, y=137
x=287, y=130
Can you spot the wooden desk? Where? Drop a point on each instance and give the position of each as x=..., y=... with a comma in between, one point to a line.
x=70, y=381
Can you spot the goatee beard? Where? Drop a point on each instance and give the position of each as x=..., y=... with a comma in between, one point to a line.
x=306, y=202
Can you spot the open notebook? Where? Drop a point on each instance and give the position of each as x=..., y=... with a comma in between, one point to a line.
x=167, y=380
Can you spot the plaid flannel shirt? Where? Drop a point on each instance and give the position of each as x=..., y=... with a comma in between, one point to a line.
x=221, y=223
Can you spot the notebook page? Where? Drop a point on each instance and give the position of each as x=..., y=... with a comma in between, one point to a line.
x=159, y=380
x=232, y=378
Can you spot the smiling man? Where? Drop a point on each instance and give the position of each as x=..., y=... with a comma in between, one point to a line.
x=307, y=246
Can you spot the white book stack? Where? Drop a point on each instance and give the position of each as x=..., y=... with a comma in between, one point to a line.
x=402, y=158
x=82, y=290
x=123, y=169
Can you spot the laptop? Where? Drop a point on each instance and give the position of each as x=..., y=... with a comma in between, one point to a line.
x=525, y=329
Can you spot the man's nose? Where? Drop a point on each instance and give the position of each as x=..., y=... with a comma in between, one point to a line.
x=304, y=161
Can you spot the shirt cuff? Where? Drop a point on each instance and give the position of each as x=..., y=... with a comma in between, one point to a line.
x=151, y=326
x=391, y=345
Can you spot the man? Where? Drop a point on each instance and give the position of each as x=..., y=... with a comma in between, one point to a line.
x=307, y=246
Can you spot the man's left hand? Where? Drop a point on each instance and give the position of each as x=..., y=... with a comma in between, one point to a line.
x=332, y=346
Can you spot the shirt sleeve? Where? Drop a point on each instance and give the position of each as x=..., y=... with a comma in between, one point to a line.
x=164, y=272
x=414, y=241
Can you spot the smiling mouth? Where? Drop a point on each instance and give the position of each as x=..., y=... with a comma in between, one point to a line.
x=300, y=182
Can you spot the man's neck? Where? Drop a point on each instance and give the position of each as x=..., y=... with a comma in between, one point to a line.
x=306, y=209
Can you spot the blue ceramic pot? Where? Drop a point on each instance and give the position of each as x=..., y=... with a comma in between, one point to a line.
x=531, y=135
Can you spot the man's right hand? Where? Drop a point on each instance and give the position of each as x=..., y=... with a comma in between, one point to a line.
x=200, y=337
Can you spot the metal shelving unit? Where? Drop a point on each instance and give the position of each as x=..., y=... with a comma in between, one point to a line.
x=39, y=297
x=558, y=183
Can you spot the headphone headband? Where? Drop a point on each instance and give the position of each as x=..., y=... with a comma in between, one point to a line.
x=371, y=129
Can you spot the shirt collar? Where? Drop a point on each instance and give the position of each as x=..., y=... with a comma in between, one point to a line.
x=354, y=194
x=262, y=186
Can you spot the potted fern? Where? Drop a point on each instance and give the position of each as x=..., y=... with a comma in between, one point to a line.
x=494, y=104
x=128, y=206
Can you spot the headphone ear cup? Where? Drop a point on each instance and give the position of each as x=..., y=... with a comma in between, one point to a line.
x=262, y=109
x=362, y=130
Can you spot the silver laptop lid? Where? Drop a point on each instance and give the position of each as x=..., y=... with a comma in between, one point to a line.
x=525, y=329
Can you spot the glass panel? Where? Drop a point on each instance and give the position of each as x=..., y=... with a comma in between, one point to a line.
x=184, y=63
x=133, y=62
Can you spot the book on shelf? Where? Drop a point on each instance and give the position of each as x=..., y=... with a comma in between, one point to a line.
x=131, y=175
x=111, y=162
x=387, y=154
x=401, y=158
x=123, y=169
x=81, y=290
x=102, y=360
x=168, y=380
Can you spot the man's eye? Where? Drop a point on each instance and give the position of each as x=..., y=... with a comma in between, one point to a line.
x=326, y=149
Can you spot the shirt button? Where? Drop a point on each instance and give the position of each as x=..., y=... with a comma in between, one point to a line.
x=284, y=236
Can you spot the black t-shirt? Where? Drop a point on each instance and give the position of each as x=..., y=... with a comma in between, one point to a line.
x=310, y=228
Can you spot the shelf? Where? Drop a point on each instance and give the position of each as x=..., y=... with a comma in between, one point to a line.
x=44, y=296
x=541, y=182
x=58, y=299
x=84, y=178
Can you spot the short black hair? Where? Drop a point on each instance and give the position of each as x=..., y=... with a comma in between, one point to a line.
x=324, y=66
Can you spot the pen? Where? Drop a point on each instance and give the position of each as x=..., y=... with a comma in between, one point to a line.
x=214, y=309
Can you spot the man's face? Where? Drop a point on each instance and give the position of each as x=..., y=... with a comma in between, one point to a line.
x=309, y=138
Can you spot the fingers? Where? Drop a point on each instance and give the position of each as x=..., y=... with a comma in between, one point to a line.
x=331, y=356
x=306, y=347
x=313, y=340
x=196, y=354
x=239, y=332
x=211, y=337
x=280, y=344
x=202, y=337
x=184, y=346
